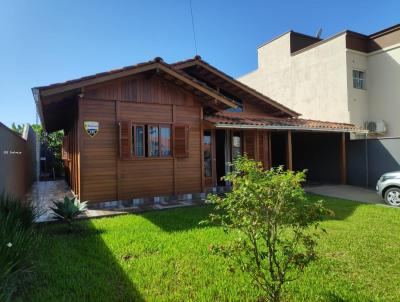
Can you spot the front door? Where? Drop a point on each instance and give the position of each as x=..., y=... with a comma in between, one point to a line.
x=208, y=158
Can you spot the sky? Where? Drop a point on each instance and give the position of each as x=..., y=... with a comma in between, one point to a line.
x=44, y=42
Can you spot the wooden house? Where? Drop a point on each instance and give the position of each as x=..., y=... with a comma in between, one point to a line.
x=157, y=129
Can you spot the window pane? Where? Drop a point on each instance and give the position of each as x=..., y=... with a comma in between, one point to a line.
x=153, y=141
x=165, y=136
x=139, y=141
x=236, y=145
x=358, y=79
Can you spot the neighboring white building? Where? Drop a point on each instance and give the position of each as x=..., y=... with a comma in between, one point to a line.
x=349, y=77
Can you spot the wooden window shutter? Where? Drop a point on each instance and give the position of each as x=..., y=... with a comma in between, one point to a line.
x=65, y=148
x=125, y=140
x=181, y=140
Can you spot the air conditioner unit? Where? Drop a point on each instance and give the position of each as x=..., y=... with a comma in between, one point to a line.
x=375, y=126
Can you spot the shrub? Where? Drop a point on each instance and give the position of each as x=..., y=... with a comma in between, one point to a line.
x=22, y=212
x=18, y=243
x=68, y=209
x=268, y=208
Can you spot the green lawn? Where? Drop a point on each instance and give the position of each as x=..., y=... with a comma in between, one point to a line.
x=163, y=256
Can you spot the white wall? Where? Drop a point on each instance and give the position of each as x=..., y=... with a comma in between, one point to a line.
x=383, y=86
x=312, y=82
x=318, y=82
x=357, y=98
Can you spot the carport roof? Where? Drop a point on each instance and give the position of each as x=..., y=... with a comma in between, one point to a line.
x=247, y=121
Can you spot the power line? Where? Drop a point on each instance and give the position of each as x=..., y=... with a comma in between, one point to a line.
x=194, y=32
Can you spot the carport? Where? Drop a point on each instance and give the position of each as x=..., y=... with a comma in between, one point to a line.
x=322, y=154
x=297, y=144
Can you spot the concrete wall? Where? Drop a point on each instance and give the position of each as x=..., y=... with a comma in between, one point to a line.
x=357, y=98
x=311, y=82
x=18, y=164
x=369, y=159
x=383, y=86
x=318, y=82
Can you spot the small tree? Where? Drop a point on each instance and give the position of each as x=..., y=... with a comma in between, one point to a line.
x=268, y=208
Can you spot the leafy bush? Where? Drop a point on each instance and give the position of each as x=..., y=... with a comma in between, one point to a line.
x=18, y=243
x=268, y=209
x=22, y=212
x=68, y=209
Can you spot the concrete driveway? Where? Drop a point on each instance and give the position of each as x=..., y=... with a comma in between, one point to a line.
x=346, y=192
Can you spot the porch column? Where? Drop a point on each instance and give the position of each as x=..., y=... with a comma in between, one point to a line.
x=289, y=157
x=342, y=159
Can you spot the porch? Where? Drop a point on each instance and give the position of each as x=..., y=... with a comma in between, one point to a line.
x=296, y=144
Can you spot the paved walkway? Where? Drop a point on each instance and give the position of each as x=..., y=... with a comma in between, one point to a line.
x=44, y=193
x=346, y=192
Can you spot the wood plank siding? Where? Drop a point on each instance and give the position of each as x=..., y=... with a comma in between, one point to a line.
x=138, y=100
x=72, y=159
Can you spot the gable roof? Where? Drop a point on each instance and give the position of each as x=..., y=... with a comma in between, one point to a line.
x=74, y=87
x=177, y=72
x=241, y=88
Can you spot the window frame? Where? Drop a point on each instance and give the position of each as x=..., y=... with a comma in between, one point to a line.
x=241, y=143
x=170, y=140
x=135, y=140
x=146, y=140
x=358, y=79
x=149, y=142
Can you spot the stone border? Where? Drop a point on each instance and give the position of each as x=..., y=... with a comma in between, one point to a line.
x=157, y=200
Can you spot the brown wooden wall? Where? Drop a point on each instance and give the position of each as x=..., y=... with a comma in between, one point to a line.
x=72, y=163
x=99, y=154
x=257, y=146
x=104, y=176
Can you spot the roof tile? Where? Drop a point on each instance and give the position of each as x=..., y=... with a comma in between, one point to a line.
x=265, y=121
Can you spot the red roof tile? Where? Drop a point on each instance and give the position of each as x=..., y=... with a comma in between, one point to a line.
x=252, y=121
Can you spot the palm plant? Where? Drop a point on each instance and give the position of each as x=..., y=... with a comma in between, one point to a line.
x=68, y=209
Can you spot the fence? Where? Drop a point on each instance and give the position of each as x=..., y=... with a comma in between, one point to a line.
x=18, y=160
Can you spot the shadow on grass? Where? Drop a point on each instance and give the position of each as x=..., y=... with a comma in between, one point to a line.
x=78, y=266
x=189, y=218
x=341, y=208
x=180, y=219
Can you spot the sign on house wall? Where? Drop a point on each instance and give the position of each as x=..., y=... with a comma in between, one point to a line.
x=91, y=127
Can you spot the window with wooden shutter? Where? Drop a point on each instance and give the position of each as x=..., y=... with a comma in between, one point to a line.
x=181, y=140
x=65, y=148
x=125, y=140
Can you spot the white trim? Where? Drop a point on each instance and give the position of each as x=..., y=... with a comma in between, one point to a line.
x=241, y=126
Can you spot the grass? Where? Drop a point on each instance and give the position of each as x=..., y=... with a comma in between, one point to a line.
x=163, y=256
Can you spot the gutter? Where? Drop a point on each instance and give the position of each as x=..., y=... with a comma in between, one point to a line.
x=38, y=102
x=242, y=126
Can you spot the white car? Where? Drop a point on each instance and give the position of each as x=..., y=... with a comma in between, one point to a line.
x=388, y=187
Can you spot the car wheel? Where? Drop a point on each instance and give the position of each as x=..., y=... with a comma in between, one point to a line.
x=392, y=197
